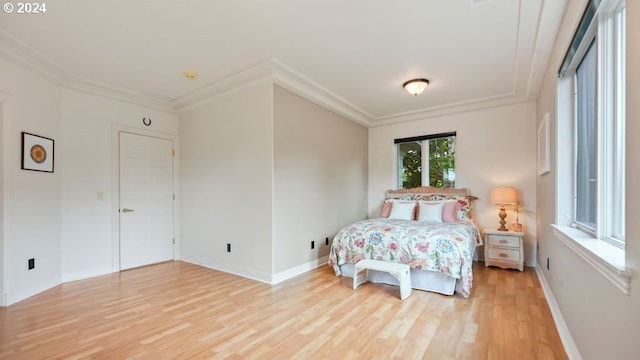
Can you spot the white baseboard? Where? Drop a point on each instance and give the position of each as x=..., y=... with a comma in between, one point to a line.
x=563, y=330
x=300, y=269
x=85, y=275
x=11, y=298
x=263, y=277
x=231, y=269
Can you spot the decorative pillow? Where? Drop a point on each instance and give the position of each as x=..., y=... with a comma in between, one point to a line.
x=430, y=211
x=417, y=210
x=450, y=211
x=465, y=203
x=402, y=210
x=459, y=195
x=386, y=209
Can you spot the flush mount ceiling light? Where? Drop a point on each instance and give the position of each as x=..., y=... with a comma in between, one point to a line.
x=191, y=75
x=415, y=87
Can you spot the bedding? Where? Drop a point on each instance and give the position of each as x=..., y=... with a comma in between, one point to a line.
x=431, y=245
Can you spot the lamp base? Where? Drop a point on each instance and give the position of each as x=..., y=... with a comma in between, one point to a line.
x=502, y=215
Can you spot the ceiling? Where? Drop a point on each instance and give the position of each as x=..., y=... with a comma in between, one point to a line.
x=351, y=56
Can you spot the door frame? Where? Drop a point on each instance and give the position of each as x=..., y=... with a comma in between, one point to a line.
x=115, y=181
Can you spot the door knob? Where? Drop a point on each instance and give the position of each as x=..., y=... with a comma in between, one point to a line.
x=127, y=210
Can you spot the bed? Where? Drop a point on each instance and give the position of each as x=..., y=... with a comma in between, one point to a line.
x=430, y=229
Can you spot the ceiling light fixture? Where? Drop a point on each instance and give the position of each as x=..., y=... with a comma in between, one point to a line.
x=415, y=87
x=191, y=75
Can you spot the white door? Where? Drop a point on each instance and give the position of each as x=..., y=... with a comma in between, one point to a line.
x=146, y=200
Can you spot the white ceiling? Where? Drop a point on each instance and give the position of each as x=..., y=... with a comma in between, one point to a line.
x=350, y=55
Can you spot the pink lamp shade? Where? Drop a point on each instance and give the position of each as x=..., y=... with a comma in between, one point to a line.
x=504, y=195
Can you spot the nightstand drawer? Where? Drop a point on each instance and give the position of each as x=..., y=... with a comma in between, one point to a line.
x=503, y=240
x=504, y=254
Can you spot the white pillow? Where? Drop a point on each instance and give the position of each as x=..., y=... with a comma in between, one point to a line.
x=430, y=211
x=402, y=210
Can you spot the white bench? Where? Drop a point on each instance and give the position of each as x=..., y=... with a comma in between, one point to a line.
x=399, y=271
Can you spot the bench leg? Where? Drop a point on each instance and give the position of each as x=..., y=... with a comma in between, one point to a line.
x=360, y=276
x=404, y=279
x=405, y=285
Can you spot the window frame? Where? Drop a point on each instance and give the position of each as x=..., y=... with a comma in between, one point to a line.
x=574, y=71
x=424, y=139
x=613, y=115
x=604, y=246
x=604, y=32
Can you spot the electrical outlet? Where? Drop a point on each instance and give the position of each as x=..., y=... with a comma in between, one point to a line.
x=313, y=244
x=31, y=264
x=326, y=241
x=228, y=247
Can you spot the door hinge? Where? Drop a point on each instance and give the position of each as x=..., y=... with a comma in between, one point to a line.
x=174, y=196
x=174, y=241
x=173, y=152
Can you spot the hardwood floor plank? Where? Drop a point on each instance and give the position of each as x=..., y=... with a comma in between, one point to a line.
x=183, y=311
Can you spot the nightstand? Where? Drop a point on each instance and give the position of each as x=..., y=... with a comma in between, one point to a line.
x=504, y=249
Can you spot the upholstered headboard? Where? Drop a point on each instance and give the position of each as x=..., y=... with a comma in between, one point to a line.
x=428, y=193
x=418, y=192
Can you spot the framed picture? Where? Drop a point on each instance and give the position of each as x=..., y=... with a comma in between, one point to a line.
x=544, y=154
x=37, y=153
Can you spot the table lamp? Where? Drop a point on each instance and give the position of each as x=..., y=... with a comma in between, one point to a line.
x=502, y=196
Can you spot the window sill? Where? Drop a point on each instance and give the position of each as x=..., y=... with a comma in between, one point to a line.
x=604, y=257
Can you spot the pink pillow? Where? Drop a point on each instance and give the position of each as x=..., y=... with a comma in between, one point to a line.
x=386, y=209
x=450, y=211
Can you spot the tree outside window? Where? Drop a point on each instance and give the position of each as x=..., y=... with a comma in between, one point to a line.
x=440, y=161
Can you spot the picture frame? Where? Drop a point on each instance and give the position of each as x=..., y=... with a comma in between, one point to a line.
x=37, y=153
x=544, y=153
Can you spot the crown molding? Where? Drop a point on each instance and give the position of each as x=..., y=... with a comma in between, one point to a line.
x=280, y=74
x=450, y=109
x=225, y=86
x=273, y=71
x=123, y=95
x=24, y=55
x=301, y=85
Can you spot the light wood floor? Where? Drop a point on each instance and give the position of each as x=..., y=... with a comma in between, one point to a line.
x=177, y=310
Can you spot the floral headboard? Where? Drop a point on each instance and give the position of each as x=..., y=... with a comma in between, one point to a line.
x=428, y=193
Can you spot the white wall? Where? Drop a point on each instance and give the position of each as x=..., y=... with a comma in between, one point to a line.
x=226, y=182
x=57, y=218
x=3, y=161
x=603, y=322
x=494, y=147
x=89, y=124
x=320, y=178
x=31, y=200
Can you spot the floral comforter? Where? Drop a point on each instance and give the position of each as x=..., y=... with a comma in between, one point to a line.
x=447, y=248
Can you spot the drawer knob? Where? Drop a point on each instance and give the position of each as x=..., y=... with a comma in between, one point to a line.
x=503, y=241
x=504, y=255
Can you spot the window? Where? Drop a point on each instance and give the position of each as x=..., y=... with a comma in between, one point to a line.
x=591, y=98
x=586, y=154
x=434, y=152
